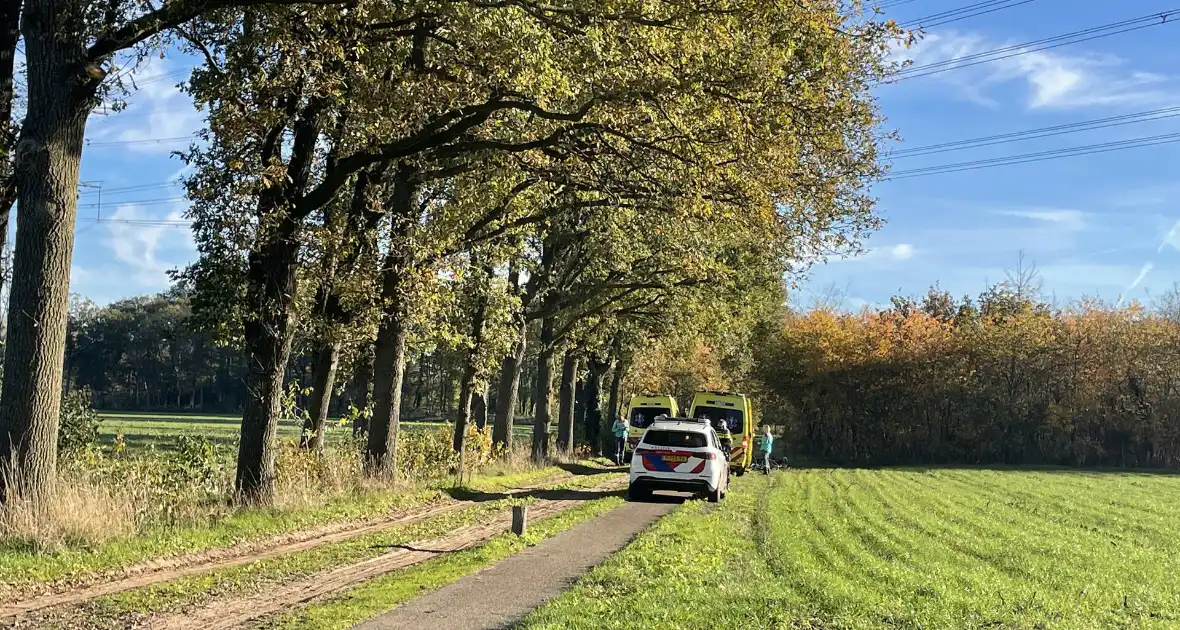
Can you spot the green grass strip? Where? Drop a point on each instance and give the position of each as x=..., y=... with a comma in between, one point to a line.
x=904, y=548
x=386, y=592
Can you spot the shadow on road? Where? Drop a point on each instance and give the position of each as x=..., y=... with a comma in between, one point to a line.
x=660, y=496
x=582, y=469
x=552, y=494
x=416, y=549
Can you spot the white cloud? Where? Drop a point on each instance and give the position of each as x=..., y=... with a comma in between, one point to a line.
x=898, y=252
x=148, y=250
x=1081, y=278
x=1054, y=80
x=156, y=109
x=901, y=251
x=1143, y=271
x=1172, y=237
x=1067, y=219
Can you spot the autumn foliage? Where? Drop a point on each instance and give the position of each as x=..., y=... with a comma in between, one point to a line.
x=1004, y=380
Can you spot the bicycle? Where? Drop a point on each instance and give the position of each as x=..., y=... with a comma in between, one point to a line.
x=774, y=464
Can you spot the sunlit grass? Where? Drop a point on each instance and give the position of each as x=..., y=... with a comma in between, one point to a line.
x=862, y=549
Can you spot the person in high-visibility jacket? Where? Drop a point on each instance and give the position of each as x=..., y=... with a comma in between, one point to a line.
x=725, y=436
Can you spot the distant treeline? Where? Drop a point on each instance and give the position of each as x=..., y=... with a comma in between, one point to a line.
x=141, y=354
x=1003, y=379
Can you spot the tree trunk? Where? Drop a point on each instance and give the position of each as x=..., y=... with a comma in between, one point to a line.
x=479, y=315
x=579, y=410
x=479, y=407
x=565, y=413
x=509, y=386
x=544, y=393
x=613, y=402
x=462, y=418
x=389, y=368
x=390, y=364
x=593, y=395
x=364, y=384
x=420, y=385
x=535, y=390
x=269, y=331
x=48, y=159
x=323, y=382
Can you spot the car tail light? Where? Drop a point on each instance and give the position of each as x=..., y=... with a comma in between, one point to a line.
x=707, y=455
x=641, y=451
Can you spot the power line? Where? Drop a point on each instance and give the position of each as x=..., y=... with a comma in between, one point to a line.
x=962, y=13
x=1039, y=156
x=172, y=74
x=124, y=114
x=894, y=3
x=1042, y=132
x=138, y=202
x=136, y=188
x=174, y=223
x=1007, y=52
x=971, y=15
x=122, y=143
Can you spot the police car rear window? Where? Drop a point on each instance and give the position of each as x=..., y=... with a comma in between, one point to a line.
x=683, y=439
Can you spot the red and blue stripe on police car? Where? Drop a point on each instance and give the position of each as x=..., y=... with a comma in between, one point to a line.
x=673, y=461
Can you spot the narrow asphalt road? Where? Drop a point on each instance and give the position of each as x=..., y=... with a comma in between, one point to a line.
x=501, y=595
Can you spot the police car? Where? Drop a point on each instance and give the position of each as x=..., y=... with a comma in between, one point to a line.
x=679, y=454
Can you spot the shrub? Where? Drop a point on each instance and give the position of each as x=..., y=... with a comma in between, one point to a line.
x=78, y=424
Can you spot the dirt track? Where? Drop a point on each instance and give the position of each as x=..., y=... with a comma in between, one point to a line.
x=167, y=569
x=227, y=613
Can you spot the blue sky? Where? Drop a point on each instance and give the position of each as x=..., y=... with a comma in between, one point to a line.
x=1097, y=225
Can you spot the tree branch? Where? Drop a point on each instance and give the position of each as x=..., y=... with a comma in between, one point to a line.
x=171, y=15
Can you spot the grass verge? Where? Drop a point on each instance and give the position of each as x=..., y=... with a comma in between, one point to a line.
x=386, y=592
x=878, y=549
x=19, y=566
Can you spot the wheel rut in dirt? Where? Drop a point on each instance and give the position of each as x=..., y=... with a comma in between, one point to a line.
x=233, y=612
x=168, y=569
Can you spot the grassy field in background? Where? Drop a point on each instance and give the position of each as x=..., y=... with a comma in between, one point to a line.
x=162, y=429
x=868, y=549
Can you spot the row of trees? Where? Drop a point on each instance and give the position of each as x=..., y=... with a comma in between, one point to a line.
x=377, y=176
x=1006, y=378
x=145, y=354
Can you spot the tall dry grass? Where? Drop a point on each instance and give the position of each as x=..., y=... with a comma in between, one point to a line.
x=79, y=513
x=104, y=494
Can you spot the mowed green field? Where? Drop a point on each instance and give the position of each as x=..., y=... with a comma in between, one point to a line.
x=899, y=549
x=162, y=429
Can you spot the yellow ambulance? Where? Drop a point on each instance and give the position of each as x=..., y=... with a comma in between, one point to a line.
x=737, y=413
x=642, y=411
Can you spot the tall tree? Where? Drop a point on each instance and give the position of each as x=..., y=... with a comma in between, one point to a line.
x=70, y=46
x=565, y=414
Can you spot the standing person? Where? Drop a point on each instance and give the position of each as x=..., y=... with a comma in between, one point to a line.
x=765, y=446
x=725, y=436
x=620, y=431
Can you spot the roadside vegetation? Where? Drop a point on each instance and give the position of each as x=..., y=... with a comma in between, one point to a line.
x=118, y=508
x=869, y=549
x=1006, y=378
